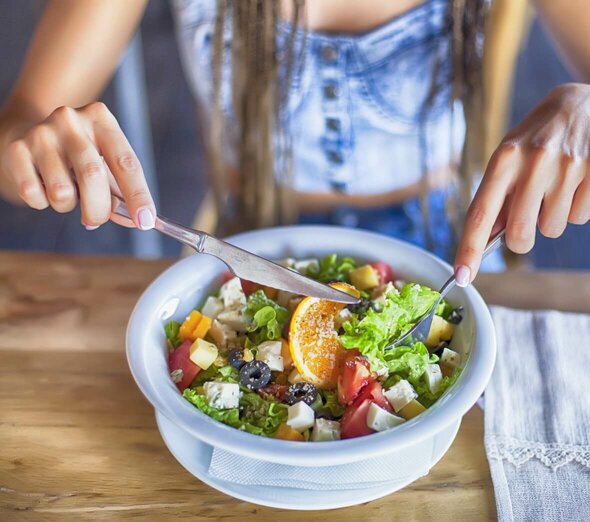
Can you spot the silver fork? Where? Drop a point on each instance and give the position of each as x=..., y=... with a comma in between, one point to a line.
x=419, y=332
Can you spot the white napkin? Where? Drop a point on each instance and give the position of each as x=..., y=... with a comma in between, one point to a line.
x=537, y=416
x=387, y=469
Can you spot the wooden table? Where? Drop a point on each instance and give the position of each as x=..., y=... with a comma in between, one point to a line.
x=78, y=441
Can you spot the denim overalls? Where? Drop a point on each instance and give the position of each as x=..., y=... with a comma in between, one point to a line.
x=356, y=113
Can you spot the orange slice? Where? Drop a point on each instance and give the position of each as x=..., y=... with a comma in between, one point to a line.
x=313, y=339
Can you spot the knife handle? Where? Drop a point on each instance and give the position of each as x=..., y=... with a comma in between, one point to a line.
x=190, y=237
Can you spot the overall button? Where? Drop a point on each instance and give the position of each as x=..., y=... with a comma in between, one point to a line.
x=330, y=91
x=338, y=186
x=333, y=124
x=329, y=53
x=335, y=157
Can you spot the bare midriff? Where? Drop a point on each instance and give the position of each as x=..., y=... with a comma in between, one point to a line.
x=350, y=16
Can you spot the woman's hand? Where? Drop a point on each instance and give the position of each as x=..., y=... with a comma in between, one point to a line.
x=539, y=175
x=77, y=153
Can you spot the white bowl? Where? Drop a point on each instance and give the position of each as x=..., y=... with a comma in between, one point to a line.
x=175, y=292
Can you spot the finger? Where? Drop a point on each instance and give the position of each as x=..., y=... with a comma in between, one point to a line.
x=125, y=167
x=91, y=175
x=528, y=196
x=59, y=186
x=557, y=202
x=18, y=162
x=580, y=211
x=483, y=213
x=502, y=218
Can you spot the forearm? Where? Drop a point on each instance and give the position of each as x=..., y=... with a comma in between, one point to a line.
x=568, y=21
x=73, y=53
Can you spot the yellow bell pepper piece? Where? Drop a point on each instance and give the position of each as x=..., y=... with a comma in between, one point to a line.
x=411, y=410
x=195, y=326
x=285, y=432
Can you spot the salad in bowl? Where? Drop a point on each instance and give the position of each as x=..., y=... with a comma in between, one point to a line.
x=296, y=368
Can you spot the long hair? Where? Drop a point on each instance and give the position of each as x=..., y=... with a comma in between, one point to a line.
x=260, y=84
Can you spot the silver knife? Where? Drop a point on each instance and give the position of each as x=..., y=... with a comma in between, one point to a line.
x=242, y=263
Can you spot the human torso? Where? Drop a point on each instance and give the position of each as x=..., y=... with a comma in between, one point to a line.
x=357, y=115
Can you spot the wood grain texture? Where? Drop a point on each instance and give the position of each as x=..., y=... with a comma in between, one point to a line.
x=79, y=442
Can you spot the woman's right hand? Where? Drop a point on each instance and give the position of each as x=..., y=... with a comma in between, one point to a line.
x=78, y=153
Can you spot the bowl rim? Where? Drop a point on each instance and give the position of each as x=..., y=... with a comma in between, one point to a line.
x=472, y=382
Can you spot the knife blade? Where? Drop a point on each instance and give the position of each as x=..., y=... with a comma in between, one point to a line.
x=252, y=267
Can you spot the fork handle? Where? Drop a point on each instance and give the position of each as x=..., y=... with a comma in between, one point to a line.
x=492, y=245
x=192, y=238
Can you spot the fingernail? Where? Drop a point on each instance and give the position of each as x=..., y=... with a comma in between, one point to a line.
x=146, y=219
x=463, y=275
x=91, y=227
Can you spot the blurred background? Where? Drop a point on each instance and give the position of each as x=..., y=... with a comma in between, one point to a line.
x=174, y=149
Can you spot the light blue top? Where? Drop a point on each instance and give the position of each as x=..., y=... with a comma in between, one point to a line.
x=356, y=112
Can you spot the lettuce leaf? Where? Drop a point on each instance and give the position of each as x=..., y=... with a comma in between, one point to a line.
x=328, y=402
x=255, y=414
x=230, y=417
x=261, y=414
x=378, y=328
x=171, y=330
x=444, y=309
x=426, y=397
x=213, y=373
x=332, y=268
x=410, y=364
x=415, y=299
x=266, y=316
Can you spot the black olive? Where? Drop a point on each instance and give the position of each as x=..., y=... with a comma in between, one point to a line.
x=301, y=391
x=255, y=375
x=236, y=358
x=456, y=316
x=361, y=307
x=440, y=348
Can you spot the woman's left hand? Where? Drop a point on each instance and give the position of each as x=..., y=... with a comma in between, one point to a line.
x=540, y=174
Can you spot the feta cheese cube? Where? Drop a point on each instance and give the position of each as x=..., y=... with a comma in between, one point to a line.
x=380, y=420
x=203, y=353
x=342, y=317
x=234, y=319
x=270, y=347
x=304, y=264
x=213, y=307
x=433, y=377
x=324, y=429
x=222, y=334
x=269, y=352
x=232, y=294
x=300, y=416
x=222, y=395
x=451, y=358
x=400, y=395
